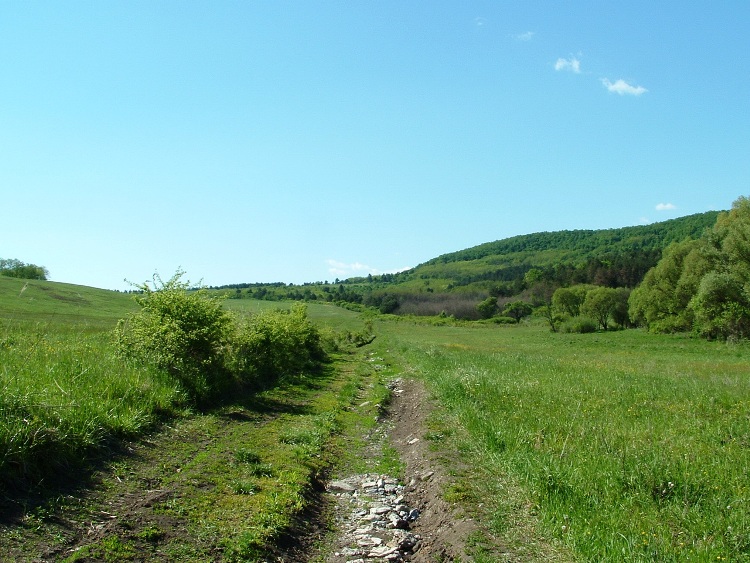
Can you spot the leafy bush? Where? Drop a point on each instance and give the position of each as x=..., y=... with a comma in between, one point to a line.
x=188, y=334
x=274, y=343
x=16, y=269
x=503, y=320
x=582, y=325
x=182, y=332
x=487, y=308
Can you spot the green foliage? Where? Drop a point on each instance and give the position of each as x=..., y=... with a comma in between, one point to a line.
x=661, y=301
x=487, y=308
x=191, y=336
x=517, y=310
x=16, y=269
x=525, y=267
x=580, y=325
x=721, y=306
x=274, y=343
x=589, y=242
x=180, y=331
x=702, y=284
x=568, y=300
x=602, y=303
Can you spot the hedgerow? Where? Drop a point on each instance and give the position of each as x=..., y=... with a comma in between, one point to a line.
x=189, y=335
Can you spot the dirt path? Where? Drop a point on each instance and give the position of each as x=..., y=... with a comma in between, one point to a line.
x=378, y=519
x=374, y=517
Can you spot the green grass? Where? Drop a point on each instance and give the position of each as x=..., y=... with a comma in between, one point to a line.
x=63, y=396
x=621, y=446
x=600, y=447
x=69, y=307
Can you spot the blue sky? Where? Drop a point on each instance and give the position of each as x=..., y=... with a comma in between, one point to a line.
x=261, y=141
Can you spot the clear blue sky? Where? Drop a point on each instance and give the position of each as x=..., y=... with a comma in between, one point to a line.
x=260, y=141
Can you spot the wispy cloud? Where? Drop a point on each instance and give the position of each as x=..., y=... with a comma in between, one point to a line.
x=347, y=270
x=665, y=206
x=621, y=87
x=480, y=21
x=526, y=36
x=572, y=64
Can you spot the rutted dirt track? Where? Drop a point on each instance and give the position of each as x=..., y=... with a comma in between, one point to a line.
x=428, y=529
x=358, y=518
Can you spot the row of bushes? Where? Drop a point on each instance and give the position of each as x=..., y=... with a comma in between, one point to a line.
x=189, y=335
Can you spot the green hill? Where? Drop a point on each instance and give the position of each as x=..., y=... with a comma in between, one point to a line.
x=49, y=302
x=579, y=255
x=457, y=281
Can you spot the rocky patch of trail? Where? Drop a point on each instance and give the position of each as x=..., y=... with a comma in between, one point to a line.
x=373, y=520
x=381, y=519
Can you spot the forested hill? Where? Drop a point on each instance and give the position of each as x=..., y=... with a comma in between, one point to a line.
x=455, y=282
x=612, y=257
x=584, y=243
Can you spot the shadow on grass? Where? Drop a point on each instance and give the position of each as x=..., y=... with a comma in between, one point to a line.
x=37, y=486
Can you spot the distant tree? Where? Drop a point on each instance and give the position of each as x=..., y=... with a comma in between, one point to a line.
x=14, y=268
x=600, y=304
x=721, y=307
x=620, y=313
x=517, y=310
x=388, y=304
x=487, y=308
x=568, y=300
x=661, y=301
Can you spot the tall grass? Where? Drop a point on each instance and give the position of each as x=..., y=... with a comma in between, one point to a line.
x=63, y=395
x=628, y=446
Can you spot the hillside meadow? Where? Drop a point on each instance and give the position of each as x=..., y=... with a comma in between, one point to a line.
x=599, y=447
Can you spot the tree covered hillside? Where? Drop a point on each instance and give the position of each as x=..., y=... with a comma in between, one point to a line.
x=612, y=257
x=457, y=282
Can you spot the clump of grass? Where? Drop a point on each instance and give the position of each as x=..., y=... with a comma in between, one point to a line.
x=244, y=455
x=59, y=400
x=245, y=487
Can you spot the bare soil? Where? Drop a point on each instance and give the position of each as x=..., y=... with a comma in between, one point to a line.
x=444, y=528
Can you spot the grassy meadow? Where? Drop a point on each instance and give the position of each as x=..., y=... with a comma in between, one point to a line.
x=603, y=447
x=63, y=392
x=617, y=446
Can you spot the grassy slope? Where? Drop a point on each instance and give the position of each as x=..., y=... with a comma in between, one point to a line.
x=616, y=446
x=61, y=304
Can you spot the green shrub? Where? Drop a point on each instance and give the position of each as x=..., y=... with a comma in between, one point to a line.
x=503, y=320
x=180, y=331
x=274, y=343
x=582, y=325
x=188, y=334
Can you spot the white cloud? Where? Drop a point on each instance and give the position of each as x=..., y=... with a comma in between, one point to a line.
x=572, y=64
x=343, y=270
x=665, y=206
x=524, y=36
x=621, y=87
x=480, y=21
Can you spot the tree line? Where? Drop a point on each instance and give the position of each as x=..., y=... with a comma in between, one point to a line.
x=14, y=268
